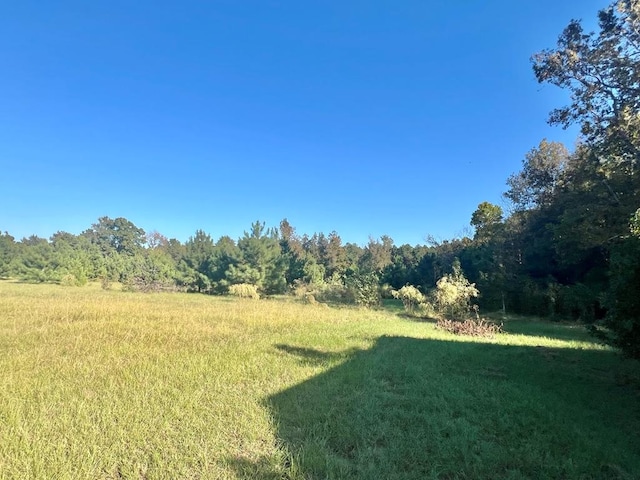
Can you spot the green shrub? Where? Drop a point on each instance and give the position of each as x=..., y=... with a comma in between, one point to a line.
x=623, y=300
x=335, y=292
x=365, y=290
x=70, y=280
x=577, y=302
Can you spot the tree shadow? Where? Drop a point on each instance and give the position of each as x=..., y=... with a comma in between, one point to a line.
x=263, y=468
x=416, y=318
x=412, y=409
x=566, y=331
x=314, y=357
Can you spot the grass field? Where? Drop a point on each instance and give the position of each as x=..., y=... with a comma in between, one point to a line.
x=108, y=384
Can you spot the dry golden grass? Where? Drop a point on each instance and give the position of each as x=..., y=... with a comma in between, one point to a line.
x=110, y=384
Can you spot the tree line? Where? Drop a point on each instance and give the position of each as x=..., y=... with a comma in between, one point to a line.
x=568, y=245
x=274, y=260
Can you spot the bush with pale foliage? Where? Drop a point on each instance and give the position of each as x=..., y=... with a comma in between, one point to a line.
x=454, y=293
x=411, y=298
x=244, y=290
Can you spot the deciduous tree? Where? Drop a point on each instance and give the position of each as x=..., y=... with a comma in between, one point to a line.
x=601, y=70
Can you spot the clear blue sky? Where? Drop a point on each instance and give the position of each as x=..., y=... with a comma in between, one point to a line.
x=364, y=117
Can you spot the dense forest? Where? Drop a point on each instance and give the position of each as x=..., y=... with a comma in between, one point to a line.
x=567, y=246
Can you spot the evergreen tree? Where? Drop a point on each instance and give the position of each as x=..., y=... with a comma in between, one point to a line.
x=261, y=261
x=8, y=250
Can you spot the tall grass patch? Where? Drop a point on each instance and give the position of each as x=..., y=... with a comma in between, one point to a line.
x=111, y=384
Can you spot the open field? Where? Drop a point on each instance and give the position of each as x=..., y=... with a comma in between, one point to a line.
x=109, y=384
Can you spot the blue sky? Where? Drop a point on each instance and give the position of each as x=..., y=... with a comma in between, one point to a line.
x=368, y=118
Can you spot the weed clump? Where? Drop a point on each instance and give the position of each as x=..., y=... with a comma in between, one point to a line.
x=474, y=327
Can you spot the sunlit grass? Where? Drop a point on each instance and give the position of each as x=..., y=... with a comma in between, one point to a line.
x=109, y=384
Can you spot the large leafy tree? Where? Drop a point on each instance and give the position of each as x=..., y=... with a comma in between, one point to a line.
x=117, y=234
x=485, y=258
x=487, y=220
x=602, y=72
x=534, y=186
x=601, y=191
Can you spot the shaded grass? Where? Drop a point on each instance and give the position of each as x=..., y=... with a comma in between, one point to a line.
x=562, y=330
x=103, y=384
x=421, y=408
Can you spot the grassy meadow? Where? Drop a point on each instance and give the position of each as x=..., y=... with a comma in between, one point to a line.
x=109, y=385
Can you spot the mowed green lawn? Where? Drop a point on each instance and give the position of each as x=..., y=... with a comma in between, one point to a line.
x=107, y=384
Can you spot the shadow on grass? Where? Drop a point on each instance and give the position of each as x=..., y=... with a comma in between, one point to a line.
x=418, y=409
x=535, y=327
x=417, y=318
x=567, y=331
x=311, y=356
